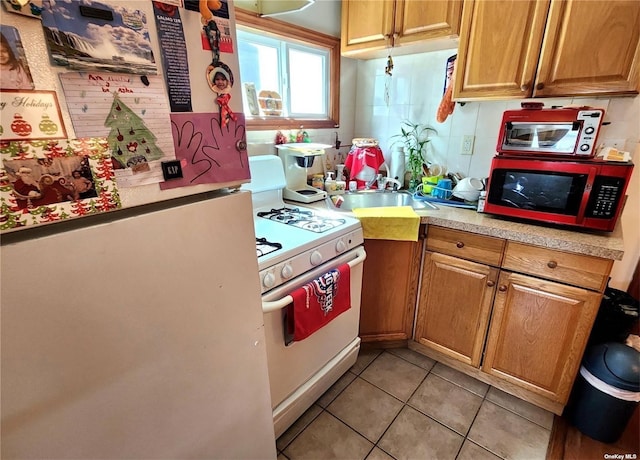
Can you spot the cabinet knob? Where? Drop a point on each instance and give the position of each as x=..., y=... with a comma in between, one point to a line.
x=460, y=244
x=502, y=288
x=540, y=86
x=552, y=264
x=396, y=35
x=524, y=87
x=387, y=36
x=491, y=283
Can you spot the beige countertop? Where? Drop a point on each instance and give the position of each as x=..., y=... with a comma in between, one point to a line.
x=608, y=245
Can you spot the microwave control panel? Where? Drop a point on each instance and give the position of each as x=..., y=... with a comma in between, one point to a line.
x=591, y=120
x=605, y=195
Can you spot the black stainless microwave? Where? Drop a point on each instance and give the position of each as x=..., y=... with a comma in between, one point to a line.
x=588, y=194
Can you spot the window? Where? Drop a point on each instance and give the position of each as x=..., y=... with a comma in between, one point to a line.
x=290, y=78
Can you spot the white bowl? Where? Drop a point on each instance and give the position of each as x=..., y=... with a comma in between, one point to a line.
x=468, y=189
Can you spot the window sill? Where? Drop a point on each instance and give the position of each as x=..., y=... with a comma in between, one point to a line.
x=274, y=123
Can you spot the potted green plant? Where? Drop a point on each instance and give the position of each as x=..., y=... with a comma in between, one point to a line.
x=414, y=137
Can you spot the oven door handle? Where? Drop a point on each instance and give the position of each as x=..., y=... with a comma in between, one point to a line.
x=269, y=306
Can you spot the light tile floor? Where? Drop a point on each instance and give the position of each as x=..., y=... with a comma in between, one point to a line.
x=399, y=404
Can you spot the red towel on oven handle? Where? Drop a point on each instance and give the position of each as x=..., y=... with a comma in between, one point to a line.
x=317, y=303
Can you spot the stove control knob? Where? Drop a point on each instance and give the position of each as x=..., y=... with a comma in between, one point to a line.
x=269, y=280
x=287, y=271
x=341, y=246
x=316, y=258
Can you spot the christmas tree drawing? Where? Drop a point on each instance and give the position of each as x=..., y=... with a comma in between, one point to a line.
x=132, y=144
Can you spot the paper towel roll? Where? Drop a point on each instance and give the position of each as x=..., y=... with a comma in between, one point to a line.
x=397, y=167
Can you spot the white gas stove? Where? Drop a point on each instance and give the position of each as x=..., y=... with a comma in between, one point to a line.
x=292, y=239
x=296, y=245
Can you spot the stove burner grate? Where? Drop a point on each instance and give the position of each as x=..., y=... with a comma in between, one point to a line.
x=264, y=247
x=303, y=219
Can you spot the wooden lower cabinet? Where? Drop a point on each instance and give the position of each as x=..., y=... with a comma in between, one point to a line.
x=389, y=291
x=455, y=303
x=508, y=315
x=538, y=333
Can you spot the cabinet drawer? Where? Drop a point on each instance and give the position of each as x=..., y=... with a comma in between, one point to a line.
x=479, y=248
x=575, y=269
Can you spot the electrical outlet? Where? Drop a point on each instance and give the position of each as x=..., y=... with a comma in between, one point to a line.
x=467, y=145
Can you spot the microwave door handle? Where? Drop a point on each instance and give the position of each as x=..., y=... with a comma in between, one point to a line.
x=585, y=195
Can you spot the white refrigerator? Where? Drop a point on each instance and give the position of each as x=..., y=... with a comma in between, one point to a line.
x=136, y=333
x=140, y=347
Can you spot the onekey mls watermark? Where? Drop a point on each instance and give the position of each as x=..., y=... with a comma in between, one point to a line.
x=620, y=456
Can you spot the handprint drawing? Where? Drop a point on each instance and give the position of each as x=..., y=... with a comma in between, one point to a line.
x=210, y=153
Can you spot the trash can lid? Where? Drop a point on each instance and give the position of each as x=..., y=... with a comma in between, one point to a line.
x=614, y=363
x=620, y=301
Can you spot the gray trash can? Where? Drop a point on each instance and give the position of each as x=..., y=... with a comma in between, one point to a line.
x=606, y=391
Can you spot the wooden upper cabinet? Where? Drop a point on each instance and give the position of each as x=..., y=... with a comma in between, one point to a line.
x=499, y=48
x=590, y=48
x=520, y=49
x=366, y=25
x=371, y=28
x=420, y=20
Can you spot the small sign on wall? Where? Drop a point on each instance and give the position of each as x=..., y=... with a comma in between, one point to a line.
x=29, y=115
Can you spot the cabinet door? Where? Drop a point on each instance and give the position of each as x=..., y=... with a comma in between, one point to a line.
x=538, y=333
x=420, y=20
x=389, y=290
x=454, y=307
x=366, y=25
x=590, y=48
x=499, y=48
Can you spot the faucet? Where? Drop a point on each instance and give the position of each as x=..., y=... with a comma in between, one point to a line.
x=375, y=178
x=396, y=183
x=383, y=182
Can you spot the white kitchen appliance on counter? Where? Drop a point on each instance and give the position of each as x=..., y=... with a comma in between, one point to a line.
x=294, y=246
x=297, y=157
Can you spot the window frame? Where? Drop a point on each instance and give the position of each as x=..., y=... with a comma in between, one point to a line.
x=305, y=37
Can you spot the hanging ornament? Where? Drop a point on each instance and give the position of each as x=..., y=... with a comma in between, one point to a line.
x=218, y=74
x=120, y=136
x=131, y=131
x=20, y=126
x=389, y=67
x=388, y=70
x=47, y=126
x=119, y=151
x=118, y=108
